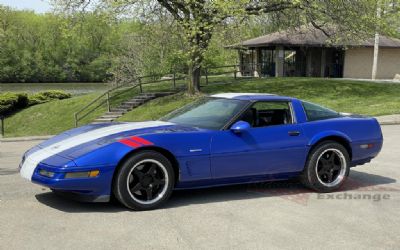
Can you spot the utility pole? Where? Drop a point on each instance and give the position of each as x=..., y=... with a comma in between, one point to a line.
x=376, y=43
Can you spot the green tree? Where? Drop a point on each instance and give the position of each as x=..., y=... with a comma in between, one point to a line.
x=87, y=40
x=199, y=19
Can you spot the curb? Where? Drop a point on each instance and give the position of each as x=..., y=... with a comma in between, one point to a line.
x=30, y=138
x=389, y=123
x=389, y=119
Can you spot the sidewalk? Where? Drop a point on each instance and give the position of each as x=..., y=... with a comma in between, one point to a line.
x=395, y=81
x=389, y=119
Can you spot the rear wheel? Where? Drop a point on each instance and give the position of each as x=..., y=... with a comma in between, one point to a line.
x=144, y=181
x=327, y=167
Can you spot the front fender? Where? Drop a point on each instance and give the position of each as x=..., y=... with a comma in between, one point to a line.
x=109, y=155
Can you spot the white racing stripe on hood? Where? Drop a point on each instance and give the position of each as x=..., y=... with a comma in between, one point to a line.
x=35, y=158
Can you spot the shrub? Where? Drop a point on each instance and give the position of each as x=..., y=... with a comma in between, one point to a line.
x=10, y=102
x=46, y=96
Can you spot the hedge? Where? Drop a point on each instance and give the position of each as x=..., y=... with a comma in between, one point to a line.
x=46, y=96
x=11, y=102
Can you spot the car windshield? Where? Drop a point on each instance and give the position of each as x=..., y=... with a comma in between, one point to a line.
x=208, y=113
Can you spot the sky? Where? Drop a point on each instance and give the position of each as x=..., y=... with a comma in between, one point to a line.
x=39, y=6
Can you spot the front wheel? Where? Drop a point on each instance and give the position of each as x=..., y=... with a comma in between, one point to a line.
x=327, y=167
x=144, y=181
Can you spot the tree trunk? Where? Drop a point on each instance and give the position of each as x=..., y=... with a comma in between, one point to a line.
x=194, y=79
x=198, y=44
x=376, y=44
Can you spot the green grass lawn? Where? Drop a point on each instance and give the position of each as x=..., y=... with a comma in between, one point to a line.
x=157, y=108
x=57, y=116
x=49, y=118
x=342, y=95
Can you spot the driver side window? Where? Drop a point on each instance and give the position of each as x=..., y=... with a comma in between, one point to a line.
x=263, y=114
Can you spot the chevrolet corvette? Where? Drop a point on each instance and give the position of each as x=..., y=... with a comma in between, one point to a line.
x=223, y=139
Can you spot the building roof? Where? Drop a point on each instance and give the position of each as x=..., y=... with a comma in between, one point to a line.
x=307, y=36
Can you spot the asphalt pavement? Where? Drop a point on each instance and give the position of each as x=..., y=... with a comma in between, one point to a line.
x=365, y=214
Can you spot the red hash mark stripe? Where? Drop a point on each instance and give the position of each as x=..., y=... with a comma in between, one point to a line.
x=141, y=140
x=130, y=143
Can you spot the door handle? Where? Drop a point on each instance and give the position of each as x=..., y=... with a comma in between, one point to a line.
x=294, y=133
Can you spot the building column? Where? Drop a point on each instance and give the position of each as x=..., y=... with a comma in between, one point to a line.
x=308, y=62
x=256, y=62
x=323, y=62
x=239, y=66
x=279, y=60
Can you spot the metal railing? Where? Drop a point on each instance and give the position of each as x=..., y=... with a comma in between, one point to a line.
x=112, y=93
x=208, y=71
x=107, y=97
x=140, y=81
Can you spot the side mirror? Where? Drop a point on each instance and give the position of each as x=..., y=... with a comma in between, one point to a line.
x=240, y=126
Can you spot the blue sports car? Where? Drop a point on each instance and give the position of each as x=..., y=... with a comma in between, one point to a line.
x=222, y=139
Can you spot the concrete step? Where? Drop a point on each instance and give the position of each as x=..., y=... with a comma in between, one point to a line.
x=144, y=96
x=110, y=116
x=115, y=113
x=104, y=120
x=133, y=102
x=136, y=100
x=126, y=106
x=147, y=95
x=118, y=110
x=141, y=99
x=130, y=106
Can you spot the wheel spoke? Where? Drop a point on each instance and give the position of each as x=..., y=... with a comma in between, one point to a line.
x=324, y=162
x=130, y=179
x=149, y=193
x=330, y=176
x=136, y=188
x=138, y=173
x=159, y=182
x=152, y=169
x=333, y=158
x=336, y=167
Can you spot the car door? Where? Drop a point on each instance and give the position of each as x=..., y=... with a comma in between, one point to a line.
x=268, y=147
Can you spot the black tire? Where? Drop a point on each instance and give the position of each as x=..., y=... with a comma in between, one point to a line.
x=135, y=190
x=321, y=173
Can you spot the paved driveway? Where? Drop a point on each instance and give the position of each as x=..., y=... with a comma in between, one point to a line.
x=366, y=214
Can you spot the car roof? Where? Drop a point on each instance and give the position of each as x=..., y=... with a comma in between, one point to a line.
x=253, y=96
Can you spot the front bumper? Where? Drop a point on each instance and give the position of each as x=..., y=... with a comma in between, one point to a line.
x=82, y=197
x=96, y=189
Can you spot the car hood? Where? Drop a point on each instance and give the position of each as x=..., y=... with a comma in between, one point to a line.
x=78, y=141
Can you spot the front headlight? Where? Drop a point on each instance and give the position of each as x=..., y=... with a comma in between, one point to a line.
x=46, y=173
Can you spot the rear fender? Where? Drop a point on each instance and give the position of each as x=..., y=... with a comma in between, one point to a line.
x=318, y=137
